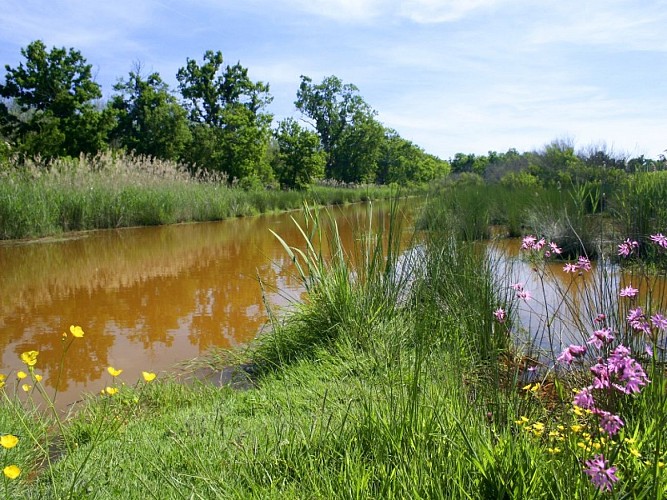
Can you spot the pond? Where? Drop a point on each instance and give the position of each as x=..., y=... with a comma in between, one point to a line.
x=147, y=298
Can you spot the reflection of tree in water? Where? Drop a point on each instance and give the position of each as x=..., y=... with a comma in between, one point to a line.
x=84, y=361
x=144, y=290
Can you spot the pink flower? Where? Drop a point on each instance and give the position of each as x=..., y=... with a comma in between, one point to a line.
x=628, y=291
x=627, y=247
x=600, y=475
x=555, y=248
x=609, y=422
x=524, y=295
x=528, y=242
x=659, y=239
x=570, y=268
x=571, y=352
x=584, y=263
x=659, y=321
x=500, y=315
x=517, y=286
x=600, y=318
x=601, y=337
x=584, y=398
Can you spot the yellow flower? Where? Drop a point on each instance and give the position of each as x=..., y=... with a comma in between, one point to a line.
x=8, y=441
x=635, y=453
x=578, y=411
x=583, y=446
x=522, y=420
x=111, y=391
x=21, y=375
x=26, y=387
x=11, y=471
x=113, y=372
x=630, y=440
x=38, y=377
x=77, y=331
x=538, y=426
x=553, y=434
x=532, y=387
x=2, y=380
x=29, y=357
x=575, y=428
x=148, y=376
x=553, y=451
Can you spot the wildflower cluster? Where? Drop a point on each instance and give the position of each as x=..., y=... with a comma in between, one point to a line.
x=532, y=244
x=627, y=248
x=28, y=374
x=572, y=431
x=583, y=264
x=8, y=441
x=618, y=372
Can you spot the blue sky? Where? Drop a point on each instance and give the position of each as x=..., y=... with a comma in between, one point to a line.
x=450, y=75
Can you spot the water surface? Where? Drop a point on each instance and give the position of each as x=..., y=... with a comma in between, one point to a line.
x=147, y=298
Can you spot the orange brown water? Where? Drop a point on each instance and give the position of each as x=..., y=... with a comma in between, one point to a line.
x=146, y=298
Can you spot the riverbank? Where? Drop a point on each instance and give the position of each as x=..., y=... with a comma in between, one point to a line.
x=383, y=384
x=110, y=191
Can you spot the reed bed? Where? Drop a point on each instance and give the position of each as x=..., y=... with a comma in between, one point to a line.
x=116, y=190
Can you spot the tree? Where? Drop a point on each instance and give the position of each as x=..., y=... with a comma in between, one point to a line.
x=150, y=119
x=299, y=160
x=357, y=155
x=555, y=163
x=53, y=97
x=403, y=162
x=334, y=110
x=226, y=111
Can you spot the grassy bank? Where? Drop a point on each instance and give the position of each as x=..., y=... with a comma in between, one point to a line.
x=390, y=381
x=584, y=219
x=109, y=191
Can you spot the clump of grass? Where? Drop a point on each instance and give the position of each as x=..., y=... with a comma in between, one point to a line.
x=640, y=210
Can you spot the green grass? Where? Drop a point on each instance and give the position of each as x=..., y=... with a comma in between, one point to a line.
x=382, y=384
x=109, y=191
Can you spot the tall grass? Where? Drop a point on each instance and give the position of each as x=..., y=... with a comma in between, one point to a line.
x=640, y=210
x=113, y=190
x=394, y=378
x=469, y=210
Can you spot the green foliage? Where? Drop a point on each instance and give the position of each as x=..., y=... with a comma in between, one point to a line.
x=229, y=127
x=348, y=132
x=53, y=94
x=520, y=180
x=357, y=154
x=299, y=160
x=150, y=121
x=640, y=207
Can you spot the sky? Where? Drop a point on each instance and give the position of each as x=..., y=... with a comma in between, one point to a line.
x=452, y=76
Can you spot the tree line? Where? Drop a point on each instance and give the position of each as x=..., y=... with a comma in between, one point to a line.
x=217, y=120
x=556, y=164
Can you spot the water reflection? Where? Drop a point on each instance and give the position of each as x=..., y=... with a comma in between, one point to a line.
x=147, y=298
x=563, y=306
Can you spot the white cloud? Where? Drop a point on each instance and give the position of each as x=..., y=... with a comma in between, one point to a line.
x=632, y=25
x=439, y=11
